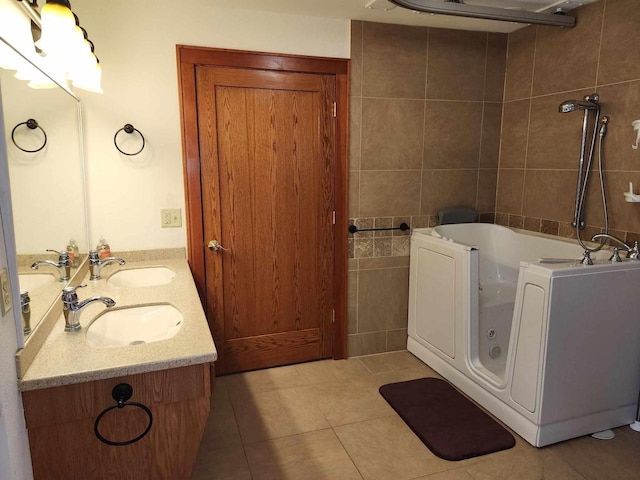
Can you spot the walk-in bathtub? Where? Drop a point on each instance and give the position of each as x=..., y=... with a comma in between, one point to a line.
x=551, y=349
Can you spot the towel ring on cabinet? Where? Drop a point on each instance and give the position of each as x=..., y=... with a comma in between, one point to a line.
x=121, y=393
x=128, y=128
x=31, y=124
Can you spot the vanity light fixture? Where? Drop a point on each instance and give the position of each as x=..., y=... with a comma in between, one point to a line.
x=64, y=50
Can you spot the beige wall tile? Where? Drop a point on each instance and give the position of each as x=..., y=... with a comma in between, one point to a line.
x=352, y=302
x=363, y=247
x=487, y=182
x=401, y=246
x=554, y=138
x=382, y=247
x=622, y=104
x=383, y=297
x=491, y=125
x=532, y=224
x=448, y=188
x=394, y=60
x=515, y=128
x=354, y=194
x=549, y=194
x=356, y=58
x=456, y=54
x=391, y=134
x=575, y=66
x=366, y=343
x=509, y=194
x=622, y=215
x=620, y=37
x=384, y=194
x=520, y=64
x=452, y=134
x=496, y=66
x=396, y=340
x=390, y=262
x=355, y=132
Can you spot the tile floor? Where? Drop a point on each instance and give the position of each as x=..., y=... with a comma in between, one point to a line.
x=326, y=420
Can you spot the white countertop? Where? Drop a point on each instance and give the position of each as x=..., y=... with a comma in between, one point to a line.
x=66, y=357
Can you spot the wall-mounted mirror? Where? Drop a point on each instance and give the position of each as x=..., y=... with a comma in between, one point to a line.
x=47, y=185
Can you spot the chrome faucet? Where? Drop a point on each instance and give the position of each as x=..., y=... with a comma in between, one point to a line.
x=95, y=264
x=72, y=308
x=25, y=306
x=632, y=252
x=63, y=265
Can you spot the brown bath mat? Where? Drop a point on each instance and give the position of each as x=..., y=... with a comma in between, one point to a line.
x=449, y=424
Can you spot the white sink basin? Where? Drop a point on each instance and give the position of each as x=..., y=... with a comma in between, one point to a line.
x=142, y=277
x=33, y=281
x=134, y=326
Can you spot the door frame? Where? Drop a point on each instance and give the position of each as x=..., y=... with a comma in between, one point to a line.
x=188, y=58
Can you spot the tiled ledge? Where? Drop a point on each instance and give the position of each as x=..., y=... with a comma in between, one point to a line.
x=561, y=229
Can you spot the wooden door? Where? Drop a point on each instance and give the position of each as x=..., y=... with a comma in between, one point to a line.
x=267, y=173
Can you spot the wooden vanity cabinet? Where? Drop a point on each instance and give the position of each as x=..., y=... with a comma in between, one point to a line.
x=60, y=422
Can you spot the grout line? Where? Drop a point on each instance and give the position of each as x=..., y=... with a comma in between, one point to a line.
x=424, y=124
x=484, y=96
x=604, y=12
x=347, y=452
x=526, y=149
x=426, y=99
x=242, y=443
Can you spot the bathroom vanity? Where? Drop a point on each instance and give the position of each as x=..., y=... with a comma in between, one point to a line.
x=71, y=380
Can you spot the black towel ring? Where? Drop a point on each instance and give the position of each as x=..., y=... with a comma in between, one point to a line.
x=121, y=393
x=31, y=124
x=128, y=128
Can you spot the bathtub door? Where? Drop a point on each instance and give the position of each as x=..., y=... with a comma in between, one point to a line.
x=267, y=143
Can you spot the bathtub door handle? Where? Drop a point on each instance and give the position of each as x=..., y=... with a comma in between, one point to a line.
x=215, y=246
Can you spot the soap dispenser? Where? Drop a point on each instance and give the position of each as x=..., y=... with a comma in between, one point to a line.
x=103, y=248
x=636, y=126
x=74, y=252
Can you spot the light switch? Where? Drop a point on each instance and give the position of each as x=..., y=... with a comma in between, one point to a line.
x=170, y=217
x=5, y=292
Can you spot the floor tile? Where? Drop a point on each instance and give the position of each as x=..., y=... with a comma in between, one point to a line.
x=264, y=380
x=616, y=459
x=404, y=375
x=276, y=413
x=389, y=362
x=325, y=371
x=386, y=448
x=350, y=401
x=224, y=464
x=309, y=456
x=221, y=430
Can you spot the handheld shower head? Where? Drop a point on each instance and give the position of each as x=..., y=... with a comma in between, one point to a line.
x=571, y=105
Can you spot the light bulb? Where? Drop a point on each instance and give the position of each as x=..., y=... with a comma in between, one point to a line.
x=89, y=78
x=58, y=28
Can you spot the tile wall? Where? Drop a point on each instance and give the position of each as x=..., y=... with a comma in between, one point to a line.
x=426, y=108
x=540, y=147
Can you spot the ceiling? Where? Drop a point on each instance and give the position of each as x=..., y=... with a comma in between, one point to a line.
x=385, y=12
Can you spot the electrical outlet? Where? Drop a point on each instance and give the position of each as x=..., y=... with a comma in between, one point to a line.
x=170, y=217
x=5, y=292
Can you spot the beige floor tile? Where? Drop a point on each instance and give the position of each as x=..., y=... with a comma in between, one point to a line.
x=221, y=430
x=386, y=448
x=310, y=456
x=528, y=465
x=389, y=362
x=350, y=401
x=404, y=375
x=457, y=474
x=326, y=371
x=276, y=413
x=225, y=464
x=263, y=380
x=617, y=459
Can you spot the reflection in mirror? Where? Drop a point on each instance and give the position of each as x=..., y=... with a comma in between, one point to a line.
x=47, y=187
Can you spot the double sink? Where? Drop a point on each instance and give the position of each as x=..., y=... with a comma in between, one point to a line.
x=122, y=326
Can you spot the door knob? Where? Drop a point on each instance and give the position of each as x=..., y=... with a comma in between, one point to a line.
x=215, y=246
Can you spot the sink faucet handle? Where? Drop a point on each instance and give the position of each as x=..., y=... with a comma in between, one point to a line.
x=63, y=257
x=71, y=292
